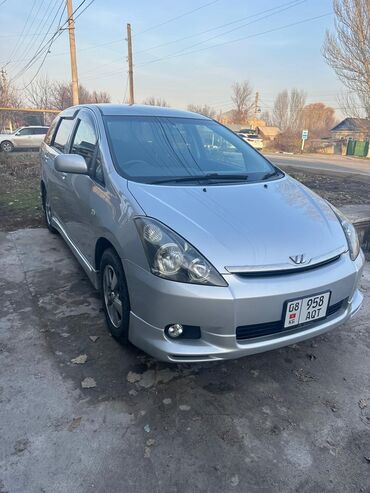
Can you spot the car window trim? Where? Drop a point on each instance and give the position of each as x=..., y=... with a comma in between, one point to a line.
x=92, y=168
x=56, y=132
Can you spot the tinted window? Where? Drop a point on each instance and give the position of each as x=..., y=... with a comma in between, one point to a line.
x=63, y=133
x=85, y=140
x=25, y=131
x=39, y=131
x=148, y=149
x=50, y=133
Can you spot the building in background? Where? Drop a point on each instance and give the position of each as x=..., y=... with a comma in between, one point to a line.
x=352, y=128
x=268, y=133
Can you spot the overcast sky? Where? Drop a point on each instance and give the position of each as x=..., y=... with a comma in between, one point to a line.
x=199, y=69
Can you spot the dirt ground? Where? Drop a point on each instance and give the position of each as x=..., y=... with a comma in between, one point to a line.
x=20, y=205
x=81, y=414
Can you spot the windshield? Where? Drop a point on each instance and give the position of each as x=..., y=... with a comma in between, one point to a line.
x=159, y=149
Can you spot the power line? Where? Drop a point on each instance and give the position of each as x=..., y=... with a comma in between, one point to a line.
x=274, y=10
x=18, y=35
x=47, y=45
x=177, y=17
x=175, y=55
x=43, y=21
x=292, y=4
x=48, y=49
x=220, y=44
x=14, y=50
x=277, y=11
x=40, y=47
x=142, y=32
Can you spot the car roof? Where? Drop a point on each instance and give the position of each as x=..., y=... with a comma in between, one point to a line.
x=109, y=109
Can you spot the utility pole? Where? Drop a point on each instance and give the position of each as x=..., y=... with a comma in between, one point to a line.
x=4, y=85
x=72, y=49
x=256, y=100
x=130, y=65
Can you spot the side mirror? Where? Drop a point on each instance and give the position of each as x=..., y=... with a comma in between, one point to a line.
x=71, y=163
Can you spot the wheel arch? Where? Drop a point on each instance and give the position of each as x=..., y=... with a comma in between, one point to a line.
x=101, y=245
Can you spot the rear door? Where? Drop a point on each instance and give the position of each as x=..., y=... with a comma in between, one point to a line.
x=38, y=135
x=58, y=186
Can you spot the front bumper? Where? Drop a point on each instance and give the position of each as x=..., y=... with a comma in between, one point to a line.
x=218, y=311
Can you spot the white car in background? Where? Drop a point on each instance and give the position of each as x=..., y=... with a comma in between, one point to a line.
x=23, y=138
x=253, y=139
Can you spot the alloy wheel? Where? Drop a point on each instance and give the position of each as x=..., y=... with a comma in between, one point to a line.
x=7, y=147
x=111, y=295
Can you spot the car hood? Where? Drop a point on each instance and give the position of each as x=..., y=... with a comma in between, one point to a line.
x=251, y=226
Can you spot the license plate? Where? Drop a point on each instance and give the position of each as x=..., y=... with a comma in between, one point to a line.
x=306, y=310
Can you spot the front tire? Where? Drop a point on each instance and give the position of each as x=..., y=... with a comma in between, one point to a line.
x=116, y=302
x=7, y=146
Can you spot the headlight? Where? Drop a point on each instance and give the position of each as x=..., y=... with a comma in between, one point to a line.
x=350, y=232
x=172, y=257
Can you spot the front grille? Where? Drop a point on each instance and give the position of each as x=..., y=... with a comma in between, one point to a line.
x=283, y=272
x=274, y=328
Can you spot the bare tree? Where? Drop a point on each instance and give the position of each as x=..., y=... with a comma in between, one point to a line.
x=242, y=97
x=9, y=97
x=287, y=109
x=267, y=118
x=202, y=109
x=61, y=95
x=297, y=101
x=152, y=101
x=350, y=105
x=318, y=118
x=100, y=97
x=280, y=112
x=39, y=93
x=347, y=50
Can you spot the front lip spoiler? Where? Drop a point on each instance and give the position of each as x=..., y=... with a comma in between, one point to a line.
x=287, y=267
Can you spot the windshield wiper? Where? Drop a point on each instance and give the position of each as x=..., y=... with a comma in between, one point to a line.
x=207, y=177
x=268, y=175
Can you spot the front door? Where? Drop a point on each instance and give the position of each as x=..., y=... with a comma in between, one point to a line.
x=80, y=222
x=23, y=138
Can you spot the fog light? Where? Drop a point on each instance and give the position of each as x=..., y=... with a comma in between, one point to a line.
x=175, y=330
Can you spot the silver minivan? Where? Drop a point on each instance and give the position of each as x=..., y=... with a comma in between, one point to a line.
x=201, y=248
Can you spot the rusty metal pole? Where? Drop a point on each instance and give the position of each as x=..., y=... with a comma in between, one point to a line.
x=72, y=49
x=130, y=66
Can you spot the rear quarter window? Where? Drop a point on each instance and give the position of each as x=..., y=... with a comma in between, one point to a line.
x=62, y=134
x=40, y=131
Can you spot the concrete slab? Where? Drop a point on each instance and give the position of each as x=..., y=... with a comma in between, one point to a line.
x=295, y=419
x=357, y=213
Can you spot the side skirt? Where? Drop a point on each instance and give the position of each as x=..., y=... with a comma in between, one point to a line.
x=92, y=273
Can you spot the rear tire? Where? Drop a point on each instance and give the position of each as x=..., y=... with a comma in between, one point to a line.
x=48, y=215
x=7, y=146
x=116, y=302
